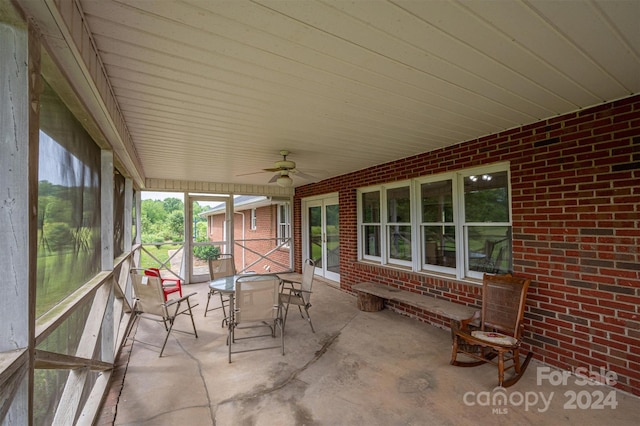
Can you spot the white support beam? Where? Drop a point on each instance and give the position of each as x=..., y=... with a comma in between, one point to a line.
x=128, y=211
x=92, y=407
x=12, y=373
x=106, y=210
x=14, y=188
x=70, y=400
x=17, y=173
x=138, y=219
x=108, y=330
x=216, y=188
x=57, y=361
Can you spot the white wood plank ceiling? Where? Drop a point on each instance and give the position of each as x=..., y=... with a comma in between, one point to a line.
x=211, y=90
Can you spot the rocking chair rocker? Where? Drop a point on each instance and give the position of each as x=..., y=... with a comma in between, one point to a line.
x=497, y=329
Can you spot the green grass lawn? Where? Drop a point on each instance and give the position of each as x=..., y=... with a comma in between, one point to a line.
x=158, y=252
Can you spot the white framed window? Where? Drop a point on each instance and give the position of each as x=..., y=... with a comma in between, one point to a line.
x=254, y=220
x=485, y=218
x=398, y=224
x=284, y=225
x=369, y=208
x=437, y=224
x=457, y=223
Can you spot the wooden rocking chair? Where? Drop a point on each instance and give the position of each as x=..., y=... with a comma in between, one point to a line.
x=497, y=329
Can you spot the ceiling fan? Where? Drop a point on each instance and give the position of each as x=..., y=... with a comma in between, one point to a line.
x=284, y=169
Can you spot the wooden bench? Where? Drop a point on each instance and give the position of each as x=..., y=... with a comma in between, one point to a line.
x=371, y=297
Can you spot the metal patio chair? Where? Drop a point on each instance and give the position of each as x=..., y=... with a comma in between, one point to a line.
x=150, y=304
x=222, y=266
x=299, y=293
x=256, y=305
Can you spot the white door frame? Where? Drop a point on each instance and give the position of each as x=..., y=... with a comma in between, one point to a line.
x=189, y=243
x=318, y=201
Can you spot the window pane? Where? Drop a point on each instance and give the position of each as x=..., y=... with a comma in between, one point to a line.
x=68, y=204
x=440, y=245
x=399, y=238
x=371, y=207
x=437, y=201
x=489, y=249
x=283, y=225
x=372, y=240
x=332, y=227
x=315, y=235
x=399, y=205
x=486, y=198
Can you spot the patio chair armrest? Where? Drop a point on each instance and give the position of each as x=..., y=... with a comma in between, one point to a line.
x=291, y=290
x=182, y=299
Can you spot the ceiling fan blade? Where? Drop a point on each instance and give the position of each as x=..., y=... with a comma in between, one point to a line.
x=252, y=173
x=274, y=178
x=262, y=171
x=304, y=175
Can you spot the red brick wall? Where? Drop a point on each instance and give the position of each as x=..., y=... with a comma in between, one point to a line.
x=263, y=239
x=576, y=234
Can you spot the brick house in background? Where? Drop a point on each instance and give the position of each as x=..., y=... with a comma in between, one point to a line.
x=261, y=228
x=575, y=231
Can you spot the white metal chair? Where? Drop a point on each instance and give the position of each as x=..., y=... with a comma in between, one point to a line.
x=299, y=293
x=150, y=304
x=223, y=266
x=257, y=305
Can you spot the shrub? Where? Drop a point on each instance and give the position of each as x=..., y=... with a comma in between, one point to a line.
x=206, y=252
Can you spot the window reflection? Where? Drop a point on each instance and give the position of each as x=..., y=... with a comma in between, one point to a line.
x=438, y=230
x=399, y=223
x=371, y=223
x=486, y=198
x=68, y=204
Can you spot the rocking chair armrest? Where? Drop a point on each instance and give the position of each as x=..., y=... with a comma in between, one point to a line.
x=464, y=324
x=520, y=331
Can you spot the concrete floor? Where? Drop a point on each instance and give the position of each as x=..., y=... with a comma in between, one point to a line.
x=358, y=368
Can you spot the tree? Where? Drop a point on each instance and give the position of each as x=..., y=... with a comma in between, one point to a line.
x=163, y=220
x=153, y=210
x=175, y=223
x=173, y=204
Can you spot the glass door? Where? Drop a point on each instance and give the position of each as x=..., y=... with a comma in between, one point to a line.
x=322, y=236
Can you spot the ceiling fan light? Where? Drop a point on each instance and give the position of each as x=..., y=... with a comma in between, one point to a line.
x=284, y=181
